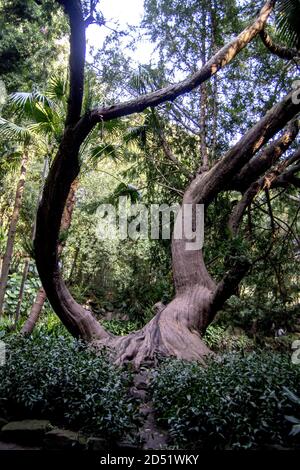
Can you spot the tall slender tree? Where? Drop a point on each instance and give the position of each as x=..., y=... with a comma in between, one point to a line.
x=23, y=135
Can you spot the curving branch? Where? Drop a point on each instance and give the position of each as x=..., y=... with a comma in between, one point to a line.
x=239, y=269
x=77, y=58
x=171, y=92
x=285, y=172
x=223, y=172
x=276, y=49
x=205, y=187
x=281, y=175
x=239, y=210
x=265, y=159
x=227, y=287
x=64, y=170
x=294, y=158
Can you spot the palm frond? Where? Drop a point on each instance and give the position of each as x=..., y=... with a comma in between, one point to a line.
x=103, y=150
x=10, y=159
x=12, y=131
x=25, y=101
x=56, y=89
x=128, y=190
x=137, y=134
x=288, y=22
x=39, y=128
x=46, y=120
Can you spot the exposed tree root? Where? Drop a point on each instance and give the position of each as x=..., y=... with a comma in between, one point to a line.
x=172, y=332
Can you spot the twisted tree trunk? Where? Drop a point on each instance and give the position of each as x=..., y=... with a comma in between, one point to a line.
x=176, y=329
x=41, y=296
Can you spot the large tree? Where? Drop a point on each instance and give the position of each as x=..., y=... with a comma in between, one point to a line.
x=249, y=165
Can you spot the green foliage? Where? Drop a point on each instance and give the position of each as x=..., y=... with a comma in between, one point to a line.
x=11, y=131
x=61, y=379
x=234, y=402
x=288, y=13
x=28, y=41
x=292, y=419
x=219, y=339
x=13, y=289
x=119, y=327
x=50, y=325
x=6, y=325
x=252, y=313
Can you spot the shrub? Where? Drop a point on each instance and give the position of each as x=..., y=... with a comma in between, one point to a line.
x=6, y=325
x=13, y=290
x=50, y=324
x=61, y=379
x=295, y=431
x=266, y=315
x=219, y=339
x=120, y=327
x=234, y=402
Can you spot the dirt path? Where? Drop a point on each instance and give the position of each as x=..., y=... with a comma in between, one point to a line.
x=152, y=436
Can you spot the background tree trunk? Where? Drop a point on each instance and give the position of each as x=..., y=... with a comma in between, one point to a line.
x=27, y=262
x=41, y=297
x=12, y=229
x=35, y=312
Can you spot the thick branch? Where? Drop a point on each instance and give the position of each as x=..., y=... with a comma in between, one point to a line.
x=204, y=188
x=285, y=173
x=77, y=58
x=293, y=158
x=227, y=287
x=287, y=178
x=64, y=170
x=272, y=179
x=218, y=61
x=239, y=210
x=264, y=160
x=66, y=167
x=281, y=51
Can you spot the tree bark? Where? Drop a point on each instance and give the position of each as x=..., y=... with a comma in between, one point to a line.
x=35, y=312
x=12, y=229
x=22, y=290
x=41, y=296
x=277, y=49
x=177, y=330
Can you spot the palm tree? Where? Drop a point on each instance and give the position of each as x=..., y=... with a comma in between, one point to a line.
x=287, y=31
x=287, y=22
x=42, y=124
x=9, y=130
